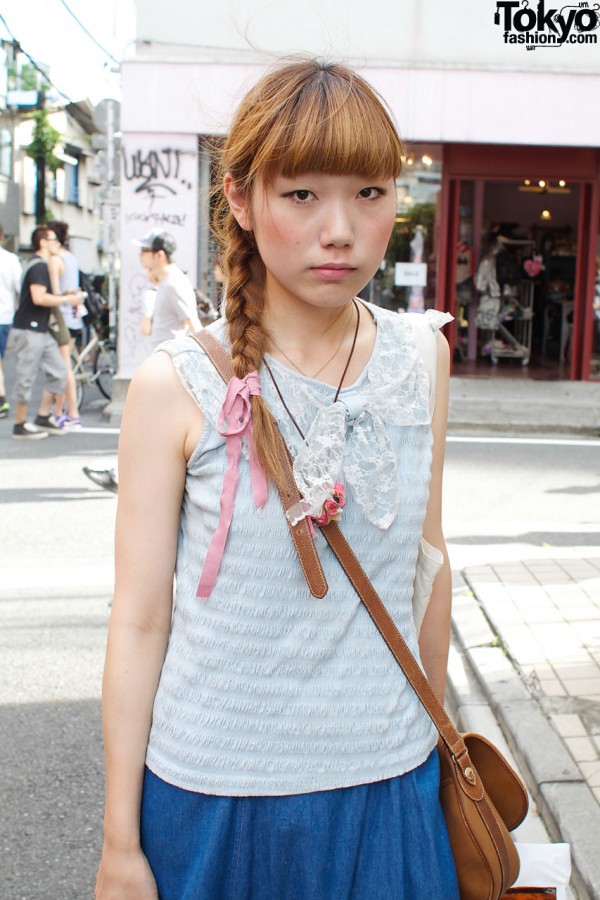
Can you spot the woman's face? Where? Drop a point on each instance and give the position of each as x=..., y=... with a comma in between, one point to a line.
x=321, y=237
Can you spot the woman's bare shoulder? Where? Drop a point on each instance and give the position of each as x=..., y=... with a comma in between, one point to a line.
x=156, y=373
x=156, y=391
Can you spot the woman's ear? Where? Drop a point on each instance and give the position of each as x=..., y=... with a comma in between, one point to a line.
x=237, y=202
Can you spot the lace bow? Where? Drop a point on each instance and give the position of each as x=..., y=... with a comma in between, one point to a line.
x=354, y=435
x=329, y=443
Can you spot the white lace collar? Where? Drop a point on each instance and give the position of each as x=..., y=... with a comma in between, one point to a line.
x=352, y=433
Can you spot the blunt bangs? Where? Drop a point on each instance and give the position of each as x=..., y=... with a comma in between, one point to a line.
x=322, y=118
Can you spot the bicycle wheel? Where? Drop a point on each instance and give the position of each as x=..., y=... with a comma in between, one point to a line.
x=105, y=366
x=79, y=379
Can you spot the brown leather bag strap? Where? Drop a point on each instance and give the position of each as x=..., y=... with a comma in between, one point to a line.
x=398, y=647
x=288, y=492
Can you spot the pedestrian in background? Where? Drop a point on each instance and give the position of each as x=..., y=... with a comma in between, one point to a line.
x=174, y=312
x=261, y=743
x=10, y=285
x=35, y=348
x=64, y=276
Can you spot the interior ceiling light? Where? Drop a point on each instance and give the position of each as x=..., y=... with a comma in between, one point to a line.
x=546, y=215
x=427, y=160
x=545, y=187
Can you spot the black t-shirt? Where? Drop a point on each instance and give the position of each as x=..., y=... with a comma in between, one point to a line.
x=28, y=315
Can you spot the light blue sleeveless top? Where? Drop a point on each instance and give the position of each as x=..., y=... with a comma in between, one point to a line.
x=70, y=282
x=266, y=690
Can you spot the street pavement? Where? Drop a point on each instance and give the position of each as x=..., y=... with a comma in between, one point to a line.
x=526, y=626
x=524, y=667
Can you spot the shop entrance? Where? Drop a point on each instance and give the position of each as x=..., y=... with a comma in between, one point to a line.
x=515, y=277
x=518, y=268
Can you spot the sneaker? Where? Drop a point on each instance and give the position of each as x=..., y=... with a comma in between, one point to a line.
x=25, y=431
x=70, y=423
x=4, y=408
x=50, y=425
x=104, y=478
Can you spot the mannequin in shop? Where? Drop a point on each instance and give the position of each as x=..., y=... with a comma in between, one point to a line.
x=464, y=278
x=486, y=282
x=416, y=297
x=464, y=291
x=498, y=275
x=499, y=279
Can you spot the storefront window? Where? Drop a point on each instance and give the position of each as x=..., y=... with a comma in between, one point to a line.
x=407, y=279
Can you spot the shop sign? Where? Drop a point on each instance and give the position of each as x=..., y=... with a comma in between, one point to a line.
x=410, y=274
x=547, y=27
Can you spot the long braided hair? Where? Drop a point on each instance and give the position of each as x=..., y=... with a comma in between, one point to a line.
x=303, y=116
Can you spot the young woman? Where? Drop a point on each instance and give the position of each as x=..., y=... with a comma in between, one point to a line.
x=261, y=743
x=64, y=274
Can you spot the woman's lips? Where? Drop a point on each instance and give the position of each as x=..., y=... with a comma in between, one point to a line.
x=333, y=271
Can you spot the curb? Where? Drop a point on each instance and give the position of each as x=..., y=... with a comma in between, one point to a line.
x=530, y=428
x=566, y=804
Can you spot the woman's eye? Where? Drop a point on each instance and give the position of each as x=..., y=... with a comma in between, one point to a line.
x=371, y=193
x=300, y=196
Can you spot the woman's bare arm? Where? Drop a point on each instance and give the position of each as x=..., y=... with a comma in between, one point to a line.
x=153, y=450
x=56, y=269
x=434, y=638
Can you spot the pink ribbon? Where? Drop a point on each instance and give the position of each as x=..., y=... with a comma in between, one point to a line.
x=234, y=421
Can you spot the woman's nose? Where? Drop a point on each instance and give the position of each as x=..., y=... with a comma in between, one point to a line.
x=337, y=228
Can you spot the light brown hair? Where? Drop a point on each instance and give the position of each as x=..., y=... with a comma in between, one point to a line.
x=303, y=116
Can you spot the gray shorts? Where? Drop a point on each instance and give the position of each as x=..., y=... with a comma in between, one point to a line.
x=35, y=352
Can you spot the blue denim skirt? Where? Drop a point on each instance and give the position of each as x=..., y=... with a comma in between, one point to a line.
x=381, y=841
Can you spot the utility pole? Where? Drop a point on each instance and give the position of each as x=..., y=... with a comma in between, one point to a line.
x=40, y=173
x=107, y=119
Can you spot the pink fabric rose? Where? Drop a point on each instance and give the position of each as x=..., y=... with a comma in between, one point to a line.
x=331, y=510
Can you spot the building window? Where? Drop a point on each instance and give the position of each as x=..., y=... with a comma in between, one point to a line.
x=72, y=183
x=28, y=185
x=5, y=153
x=58, y=186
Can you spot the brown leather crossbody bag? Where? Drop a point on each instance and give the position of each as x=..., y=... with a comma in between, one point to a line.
x=482, y=798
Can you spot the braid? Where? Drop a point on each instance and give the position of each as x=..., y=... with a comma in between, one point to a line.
x=249, y=338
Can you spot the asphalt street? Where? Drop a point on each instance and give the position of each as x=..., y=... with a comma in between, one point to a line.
x=55, y=585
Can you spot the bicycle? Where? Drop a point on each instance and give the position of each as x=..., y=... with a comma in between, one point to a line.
x=95, y=364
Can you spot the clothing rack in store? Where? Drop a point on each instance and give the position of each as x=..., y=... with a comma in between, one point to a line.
x=516, y=344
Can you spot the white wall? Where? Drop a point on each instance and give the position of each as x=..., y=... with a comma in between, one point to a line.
x=429, y=104
x=449, y=33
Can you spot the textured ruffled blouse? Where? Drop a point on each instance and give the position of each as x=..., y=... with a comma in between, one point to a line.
x=266, y=690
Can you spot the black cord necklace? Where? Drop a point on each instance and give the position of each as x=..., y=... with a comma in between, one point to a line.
x=339, y=388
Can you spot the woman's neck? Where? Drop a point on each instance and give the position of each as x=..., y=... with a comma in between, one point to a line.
x=317, y=343
x=308, y=338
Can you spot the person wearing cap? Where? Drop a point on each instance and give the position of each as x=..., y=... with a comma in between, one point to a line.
x=174, y=311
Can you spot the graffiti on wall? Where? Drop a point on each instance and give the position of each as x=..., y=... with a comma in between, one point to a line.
x=157, y=173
